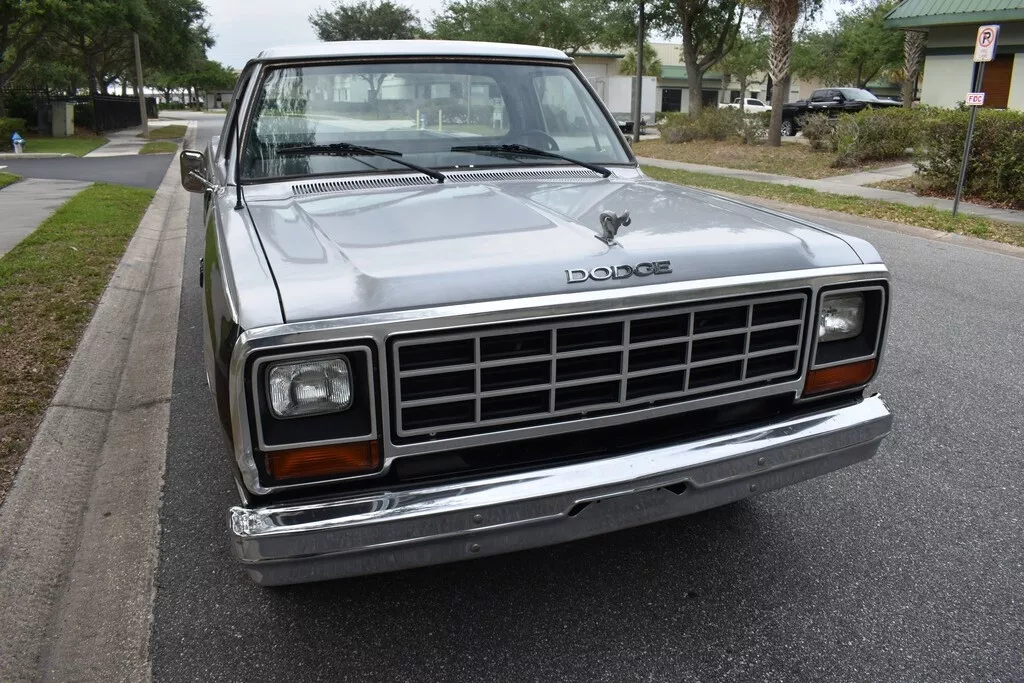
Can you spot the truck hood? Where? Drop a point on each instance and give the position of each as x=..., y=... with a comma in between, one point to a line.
x=363, y=252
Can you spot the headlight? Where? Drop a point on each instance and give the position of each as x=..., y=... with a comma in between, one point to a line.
x=841, y=317
x=310, y=387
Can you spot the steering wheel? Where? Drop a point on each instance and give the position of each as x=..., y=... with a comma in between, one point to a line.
x=535, y=138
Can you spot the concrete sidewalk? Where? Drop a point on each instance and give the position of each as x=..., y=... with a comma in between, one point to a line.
x=831, y=186
x=27, y=203
x=127, y=142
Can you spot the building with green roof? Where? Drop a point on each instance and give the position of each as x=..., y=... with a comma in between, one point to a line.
x=952, y=27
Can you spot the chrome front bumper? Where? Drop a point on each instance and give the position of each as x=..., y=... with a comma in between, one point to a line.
x=366, y=534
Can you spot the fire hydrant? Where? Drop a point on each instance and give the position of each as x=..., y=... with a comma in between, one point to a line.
x=18, y=143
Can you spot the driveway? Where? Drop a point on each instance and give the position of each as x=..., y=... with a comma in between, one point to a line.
x=906, y=567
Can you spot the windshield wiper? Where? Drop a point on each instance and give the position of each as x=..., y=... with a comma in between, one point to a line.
x=524, y=150
x=344, y=149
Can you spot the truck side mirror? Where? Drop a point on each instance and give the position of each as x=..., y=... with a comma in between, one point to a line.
x=193, y=171
x=837, y=98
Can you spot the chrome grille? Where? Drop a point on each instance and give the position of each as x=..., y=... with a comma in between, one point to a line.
x=490, y=378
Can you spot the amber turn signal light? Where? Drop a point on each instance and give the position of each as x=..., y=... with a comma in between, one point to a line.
x=839, y=377
x=323, y=461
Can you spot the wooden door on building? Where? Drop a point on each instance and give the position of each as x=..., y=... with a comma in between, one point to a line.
x=995, y=82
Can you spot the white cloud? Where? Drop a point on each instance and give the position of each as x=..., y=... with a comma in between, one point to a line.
x=242, y=28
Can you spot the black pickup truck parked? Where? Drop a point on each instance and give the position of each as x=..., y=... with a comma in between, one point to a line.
x=831, y=101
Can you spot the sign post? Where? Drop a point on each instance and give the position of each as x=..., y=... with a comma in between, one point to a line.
x=984, y=51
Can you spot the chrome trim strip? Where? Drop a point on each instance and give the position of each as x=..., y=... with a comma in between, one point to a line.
x=365, y=533
x=554, y=331
x=379, y=326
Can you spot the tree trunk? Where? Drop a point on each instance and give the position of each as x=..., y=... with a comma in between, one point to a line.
x=913, y=50
x=782, y=16
x=724, y=96
x=694, y=80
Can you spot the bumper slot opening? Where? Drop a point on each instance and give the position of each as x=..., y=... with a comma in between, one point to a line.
x=678, y=489
x=579, y=507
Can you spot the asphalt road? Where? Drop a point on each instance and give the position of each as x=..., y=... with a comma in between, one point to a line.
x=907, y=567
x=143, y=170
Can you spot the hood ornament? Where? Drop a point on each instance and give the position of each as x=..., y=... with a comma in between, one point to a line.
x=610, y=224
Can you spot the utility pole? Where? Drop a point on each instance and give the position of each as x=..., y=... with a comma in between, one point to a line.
x=637, y=99
x=139, y=89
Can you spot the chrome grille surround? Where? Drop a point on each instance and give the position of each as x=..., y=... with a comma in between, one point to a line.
x=508, y=376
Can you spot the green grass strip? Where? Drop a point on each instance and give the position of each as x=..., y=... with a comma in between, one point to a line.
x=49, y=286
x=77, y=145
x=159, y=147
x=923, y=216
x=8, y=179
x=167, y=132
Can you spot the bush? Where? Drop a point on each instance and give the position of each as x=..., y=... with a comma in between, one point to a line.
x=996, y=169
x=9, y=127
x=819, y=130
x=755, y=127
x=876, y=135
x=712, y=124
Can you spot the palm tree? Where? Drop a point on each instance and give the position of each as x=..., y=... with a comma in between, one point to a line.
x=913, y=50
x=652, y=65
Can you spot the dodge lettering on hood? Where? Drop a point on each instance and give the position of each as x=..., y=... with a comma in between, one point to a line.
x=447, y=316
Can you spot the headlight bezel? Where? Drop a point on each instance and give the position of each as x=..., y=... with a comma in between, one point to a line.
x=865, y=346
x=358, y=423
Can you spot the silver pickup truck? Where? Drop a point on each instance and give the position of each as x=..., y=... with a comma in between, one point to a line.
x=447, y=316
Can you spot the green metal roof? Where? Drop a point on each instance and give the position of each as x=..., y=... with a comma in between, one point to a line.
x=923, y=14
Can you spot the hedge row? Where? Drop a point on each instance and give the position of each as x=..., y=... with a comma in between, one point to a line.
x=715, y=124
x=933, y=137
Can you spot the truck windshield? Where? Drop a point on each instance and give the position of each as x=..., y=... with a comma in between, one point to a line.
x=420, y=111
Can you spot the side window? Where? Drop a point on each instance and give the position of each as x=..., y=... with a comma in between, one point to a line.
x=832, y=94
x=819, y=96
x=569, y=114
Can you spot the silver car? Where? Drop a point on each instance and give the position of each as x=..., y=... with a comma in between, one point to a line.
x=447, y=316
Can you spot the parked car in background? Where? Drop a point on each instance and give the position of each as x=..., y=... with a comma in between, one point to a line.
x=431, y=341
x=627, y=126
x=750, y=105
x=830, y=101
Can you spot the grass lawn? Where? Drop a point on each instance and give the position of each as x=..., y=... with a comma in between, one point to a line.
x=159, y=147
x=167, y=132
x=49, y=285
x=793, y=160
x=924, y=216
x=8, y=179
x=79, y=145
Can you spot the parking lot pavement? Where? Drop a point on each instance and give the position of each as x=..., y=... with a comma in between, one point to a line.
x=907, y=567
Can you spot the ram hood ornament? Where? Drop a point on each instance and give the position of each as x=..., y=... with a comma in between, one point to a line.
x=610, y=224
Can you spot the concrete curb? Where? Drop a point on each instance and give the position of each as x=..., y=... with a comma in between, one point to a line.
x=33, y=155
x=79, y=528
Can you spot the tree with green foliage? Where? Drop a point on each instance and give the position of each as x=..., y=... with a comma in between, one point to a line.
x=853, y=50
x=24, y=24
x=748, y=57
x=652, y=63
x=366, y=20
x=709, y=29
x=567, y=25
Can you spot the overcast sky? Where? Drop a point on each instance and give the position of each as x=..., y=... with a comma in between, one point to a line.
x=244, y=27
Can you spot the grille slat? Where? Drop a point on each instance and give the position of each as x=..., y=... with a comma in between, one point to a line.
x=523, y=374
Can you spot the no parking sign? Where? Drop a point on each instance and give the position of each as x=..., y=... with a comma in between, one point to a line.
x=985, y=45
